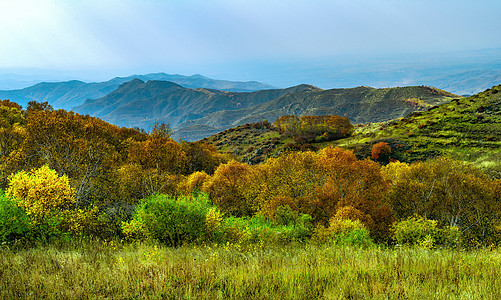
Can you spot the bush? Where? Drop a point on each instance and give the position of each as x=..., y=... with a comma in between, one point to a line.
x=43, y=195
x=169, y=220
x=344, y=232
x=14, y=222
x=419, y=231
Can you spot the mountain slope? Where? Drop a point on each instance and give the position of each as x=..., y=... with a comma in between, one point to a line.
x=140, y=104
x=198, y=113
x=69, y=94
x=467, y=129
x=361, y=105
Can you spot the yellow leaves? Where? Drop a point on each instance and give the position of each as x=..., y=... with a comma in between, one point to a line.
x=193, y=182
x=41, y=191
x=227, y=188
x=213, y=220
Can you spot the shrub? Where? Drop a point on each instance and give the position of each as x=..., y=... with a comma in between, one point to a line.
x=350, y=232
x=344, y=232
x=169, y=220
x=193, y=182
x=14, y=222
x=43, y=195
x=419, y=231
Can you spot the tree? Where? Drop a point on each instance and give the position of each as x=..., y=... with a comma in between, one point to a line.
x=451, y=192
x=43, y=195
x=201, y=156
x=154, y=166
x=358, y=184
x=80, y=147
x=381, y=153
x=227, y=188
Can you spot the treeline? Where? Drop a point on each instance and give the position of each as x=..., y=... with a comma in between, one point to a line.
x=70, y=175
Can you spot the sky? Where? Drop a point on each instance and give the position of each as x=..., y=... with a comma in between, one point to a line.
x=227, y=39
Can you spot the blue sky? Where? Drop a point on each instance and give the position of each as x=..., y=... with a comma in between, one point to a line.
x=219, y=38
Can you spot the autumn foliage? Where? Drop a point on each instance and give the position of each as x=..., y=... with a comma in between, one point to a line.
x=68, y=174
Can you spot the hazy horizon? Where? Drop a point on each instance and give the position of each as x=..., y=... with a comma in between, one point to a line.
x=282, y=43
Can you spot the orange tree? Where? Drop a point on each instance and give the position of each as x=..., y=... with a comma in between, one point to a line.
x=318, y=184
x=228, y=188
x=357, y=184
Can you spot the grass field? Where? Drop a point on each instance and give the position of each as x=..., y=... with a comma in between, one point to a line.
x=97, y=270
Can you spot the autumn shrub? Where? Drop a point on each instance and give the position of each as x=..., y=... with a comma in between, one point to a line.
x=172, y=221
x=381, y=152
x=454, y=193
x=14, y=222
x=43, y=195
x=344, y=232
x=87, y=221
x=227, y=189
x=193, y=182
x=419, y=231
x=213, y=224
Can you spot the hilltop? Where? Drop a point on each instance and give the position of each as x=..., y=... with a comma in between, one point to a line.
x=467, y=129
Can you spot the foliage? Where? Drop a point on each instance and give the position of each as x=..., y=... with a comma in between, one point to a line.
x=381, y=152
x=419, y=231
x=226, y=188
x=41, y=192
x=169, y=220
x=315, y=128
x=346, y=232
x=451, y=192
x=14, y=222
x=193, y=182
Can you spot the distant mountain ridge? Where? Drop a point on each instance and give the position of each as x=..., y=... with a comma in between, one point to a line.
x=198, y=113
x=68, y=94
x=139, y=104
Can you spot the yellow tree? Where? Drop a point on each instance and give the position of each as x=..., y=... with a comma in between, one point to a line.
x=452, y=192
x=227, y=188
x=154, y=165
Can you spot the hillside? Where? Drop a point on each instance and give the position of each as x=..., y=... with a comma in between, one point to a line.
x=467, y=129
x=198, y=113
x=68, y=94
x=140, y=104
x=360, y=104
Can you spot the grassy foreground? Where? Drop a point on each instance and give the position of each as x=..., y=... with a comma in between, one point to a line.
x=107, y=270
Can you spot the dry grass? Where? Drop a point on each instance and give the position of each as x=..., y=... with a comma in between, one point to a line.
x=106, y=270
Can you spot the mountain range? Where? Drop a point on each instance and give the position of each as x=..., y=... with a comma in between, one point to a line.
x=197, y=106
x=198, y=113
x=68, y=94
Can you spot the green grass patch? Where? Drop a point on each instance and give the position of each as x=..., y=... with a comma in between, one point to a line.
x=148, y=271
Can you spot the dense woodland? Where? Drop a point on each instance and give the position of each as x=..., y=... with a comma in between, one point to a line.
x=70, y=176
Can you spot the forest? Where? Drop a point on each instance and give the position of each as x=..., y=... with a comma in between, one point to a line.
x=69, y=181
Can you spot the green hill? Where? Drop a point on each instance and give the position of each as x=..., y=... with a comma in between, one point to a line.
x=360, y=105
x=467, y=129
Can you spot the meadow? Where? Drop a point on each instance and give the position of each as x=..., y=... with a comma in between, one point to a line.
x=102, y=270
